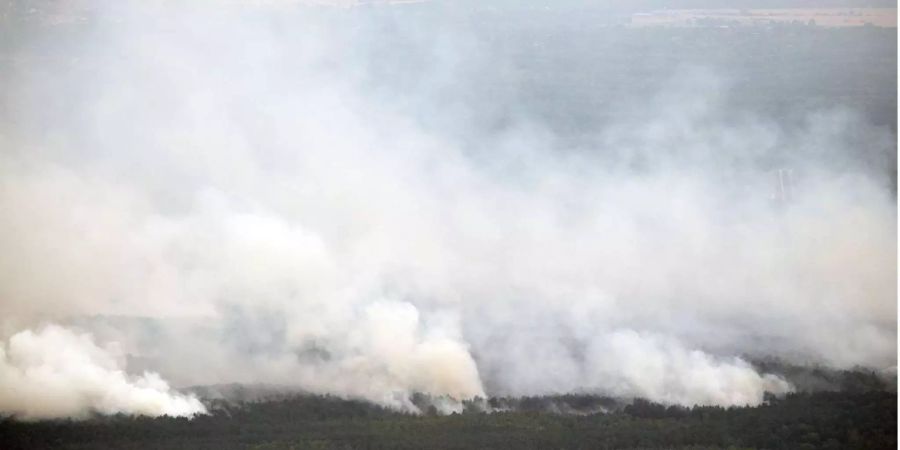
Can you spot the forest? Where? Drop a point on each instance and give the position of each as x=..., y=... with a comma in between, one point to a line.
x=825, y=420
x=830, y=409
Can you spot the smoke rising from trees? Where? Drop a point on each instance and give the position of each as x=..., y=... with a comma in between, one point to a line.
x=230, y=195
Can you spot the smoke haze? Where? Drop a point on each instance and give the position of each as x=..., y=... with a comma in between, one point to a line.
x=342, y=201
x=57, y=373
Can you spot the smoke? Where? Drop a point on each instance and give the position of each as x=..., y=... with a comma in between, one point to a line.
x=56, y=372
x=242, y=195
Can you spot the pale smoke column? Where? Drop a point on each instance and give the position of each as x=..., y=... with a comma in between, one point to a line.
x=660, y=369
x=277, y=220
x=55, y=372
x=432, y=363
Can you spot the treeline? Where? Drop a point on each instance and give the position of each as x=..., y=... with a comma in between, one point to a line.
x=812, y=378
x=826, y=420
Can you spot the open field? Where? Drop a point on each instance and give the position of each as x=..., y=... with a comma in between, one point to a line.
x=825, y=17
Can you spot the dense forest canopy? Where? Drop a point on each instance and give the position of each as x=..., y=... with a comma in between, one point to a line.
x=824, y=420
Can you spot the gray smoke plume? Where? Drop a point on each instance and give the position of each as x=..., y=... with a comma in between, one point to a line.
x=278, y=195
x=55, y=372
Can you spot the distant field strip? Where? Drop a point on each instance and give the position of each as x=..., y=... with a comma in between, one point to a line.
x=828, y=17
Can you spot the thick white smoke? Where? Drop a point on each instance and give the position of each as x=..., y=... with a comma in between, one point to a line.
x=232, y=196
x=55, y=372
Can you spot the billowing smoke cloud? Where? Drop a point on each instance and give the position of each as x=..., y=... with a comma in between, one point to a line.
x=56, y=372
x=233, y=195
